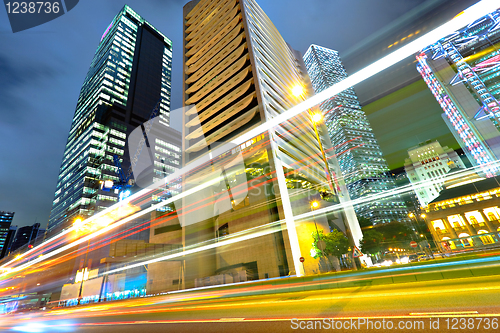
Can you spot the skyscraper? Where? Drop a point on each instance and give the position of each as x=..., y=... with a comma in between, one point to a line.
x=6, y=232
x=6, y=216
x=361, y=160
x=462, y=71
x=238, y=74
x=129, y=74
x=25, y=235
x=427, y=166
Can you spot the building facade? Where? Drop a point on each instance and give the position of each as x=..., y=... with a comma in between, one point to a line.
x=6, y=232
x=130, y=75
x=361, y=160
x=238, y=74
x=462, y=72
x=410, y=197
x=466, y=215
x=26, y=235
x=427, y=166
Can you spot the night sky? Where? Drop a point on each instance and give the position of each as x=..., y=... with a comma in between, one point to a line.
x=42, y=70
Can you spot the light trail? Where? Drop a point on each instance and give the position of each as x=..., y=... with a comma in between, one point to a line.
x=110, y=227
x=388, y=194
x=227, y=300
x=471, y=14
x=359, y=201
x=198, y=248
x=163, y=219
x=94, y=246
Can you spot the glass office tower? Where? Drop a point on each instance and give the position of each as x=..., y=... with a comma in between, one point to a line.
x=129, y=75
x=462, y=71
x=6, y=232
x=239, y=73
x=362, y=163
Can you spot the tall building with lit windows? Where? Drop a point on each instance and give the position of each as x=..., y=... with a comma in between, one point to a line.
x=7, y=232
x=361, y=160
x=129, y=75
x=239, y=73
x=462, y=71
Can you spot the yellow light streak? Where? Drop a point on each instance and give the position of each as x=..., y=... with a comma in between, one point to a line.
x=469, y=15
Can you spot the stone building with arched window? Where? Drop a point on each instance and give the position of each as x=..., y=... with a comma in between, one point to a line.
x=466, y=215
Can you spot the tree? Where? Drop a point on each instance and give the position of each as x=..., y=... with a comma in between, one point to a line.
x=364, y=222
x=372, y=242
x=336, y=244
x=395, y=232
x=381, y=237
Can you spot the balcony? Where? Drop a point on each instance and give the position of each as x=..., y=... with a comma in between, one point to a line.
x=496, y=224
x=460, y=228
x=442, y=232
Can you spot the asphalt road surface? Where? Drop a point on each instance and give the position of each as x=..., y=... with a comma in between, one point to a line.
x=404, y=307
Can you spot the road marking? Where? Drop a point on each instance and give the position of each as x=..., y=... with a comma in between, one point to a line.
x=248, y=320
x=443, y=313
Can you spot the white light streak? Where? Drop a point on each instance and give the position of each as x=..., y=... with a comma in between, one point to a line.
x=379, y=196
x=471, y=14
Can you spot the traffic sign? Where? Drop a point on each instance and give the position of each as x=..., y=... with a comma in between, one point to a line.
x=356, y=253
x=413, y=244
x=301, y=259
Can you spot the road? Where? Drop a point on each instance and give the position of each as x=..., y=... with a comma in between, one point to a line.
x=216, y=311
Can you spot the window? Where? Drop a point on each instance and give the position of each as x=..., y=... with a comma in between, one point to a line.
x=223, y=230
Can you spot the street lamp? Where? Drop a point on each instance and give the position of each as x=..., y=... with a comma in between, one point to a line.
x=297, y=90
x=424, y=236
x=320, y=244
x=77, y=223
x=411, y=215
x=315, y=205
x=317, y=117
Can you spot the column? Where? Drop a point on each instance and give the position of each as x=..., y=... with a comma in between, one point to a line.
x=449, y=227
x=435, y=236
x=488, y=223
x=470, y=228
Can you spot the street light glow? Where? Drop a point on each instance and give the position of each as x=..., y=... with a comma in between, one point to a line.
x=77, y=222
x=297, y=90
x=468, y=15
x=314, y=204
x=317, y=117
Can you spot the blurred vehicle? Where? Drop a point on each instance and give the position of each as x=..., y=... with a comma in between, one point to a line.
x=412, y=258
x=422, y=257
x=404, y=260
x=386, y=263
